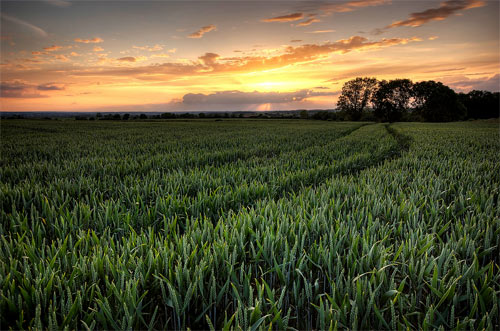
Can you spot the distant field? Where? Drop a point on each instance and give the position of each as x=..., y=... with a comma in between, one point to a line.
x=249, y=224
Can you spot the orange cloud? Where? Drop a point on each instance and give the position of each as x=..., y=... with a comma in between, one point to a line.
x=309, y=21
x=61, y=57
x=163, y=55
x=446, y=9
x=98, y=49
x=285, y=18
x=95, y=40
x=132, y=58
x=212, y=63
x=321, y=31
x=202, y=31
x=52, y=48
x=149, y=48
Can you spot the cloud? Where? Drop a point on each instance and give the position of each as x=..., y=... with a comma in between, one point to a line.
x=172, y=50
x=312, y=19
x=18, y=89
x=74, y=54
x=58, y=3
x=465, y=84
x=202, y=31
x=254, y=98
x=149, y=48
x=285, y=18
x=321, y=31
x=162, y=55
x=50, y=87
x=213, y=63
x=33, y=28
x=52, y=48
x=295, y=40
x=127, y=59
x=95, y=40
x=446, y=9
x=61, y=58
x=98, y=49
x=328, y=8
x=209, y=59
x=433, y=38
x=34, y=60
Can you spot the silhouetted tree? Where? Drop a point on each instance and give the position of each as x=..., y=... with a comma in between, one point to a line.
x=303, y=114
x=480, y=104
x=167, y=115
x=392, y=99
x=143, y=116
x=320, y=115
x=436, y=102
x=356, y=94
x=126, y=116
x=201, y=115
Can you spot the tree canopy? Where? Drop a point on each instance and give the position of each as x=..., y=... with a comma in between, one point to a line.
x=401, y=99
x=356, y=94
x=392, y=99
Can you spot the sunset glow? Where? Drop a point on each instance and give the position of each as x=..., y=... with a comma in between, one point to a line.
x=235, y=55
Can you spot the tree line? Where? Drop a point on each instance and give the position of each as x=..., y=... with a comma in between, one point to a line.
x=366, y=98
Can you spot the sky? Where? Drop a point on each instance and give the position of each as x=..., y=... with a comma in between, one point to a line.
x=59, y=55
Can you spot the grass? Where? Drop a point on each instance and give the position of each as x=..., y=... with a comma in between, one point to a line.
x=249, y=224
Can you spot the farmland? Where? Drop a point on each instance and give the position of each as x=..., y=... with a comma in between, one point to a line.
x=249, y=224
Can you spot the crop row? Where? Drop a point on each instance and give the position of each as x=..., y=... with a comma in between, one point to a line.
x=379, y=228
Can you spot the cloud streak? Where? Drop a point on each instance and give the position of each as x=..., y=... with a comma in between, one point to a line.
x=58, y=3
x=50, y=87
x=127, y=59
x=285, y=18
x=321, y=31
x=52, y=48
x=95, y=40
x=446, y=9
x=35, y=29
x=202, y=31
x=312, y=19
x=149, y=48
x=329, y=8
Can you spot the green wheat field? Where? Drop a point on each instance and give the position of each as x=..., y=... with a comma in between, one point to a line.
x=249, y=224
